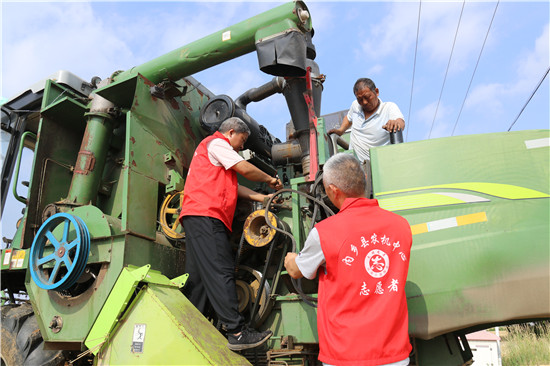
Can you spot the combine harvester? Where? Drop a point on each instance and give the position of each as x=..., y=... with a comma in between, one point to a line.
x=101, y=256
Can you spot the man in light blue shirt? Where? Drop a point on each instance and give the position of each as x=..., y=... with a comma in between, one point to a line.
x=370, y=119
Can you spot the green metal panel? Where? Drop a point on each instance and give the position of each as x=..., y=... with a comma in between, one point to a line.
x=139, y=204
x=55, y=154
x=479, y=212
x=163, y=327
x=298, y=319
x=164, y=258
x=492, y=158
x=63, y=104
x=114, y=305
x=297, y=219
x=322, y=141
x=95, y=220
x=113, y=254
x=78, y=313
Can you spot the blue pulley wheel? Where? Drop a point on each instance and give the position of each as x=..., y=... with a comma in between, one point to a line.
x=69, y=238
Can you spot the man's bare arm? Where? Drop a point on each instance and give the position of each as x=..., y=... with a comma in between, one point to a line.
x=343, y=127
x=291, y=266
x=247, y=193
x=254, y=174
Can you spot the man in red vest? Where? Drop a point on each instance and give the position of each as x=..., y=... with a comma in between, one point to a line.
x=211, y=192
x=362, y=256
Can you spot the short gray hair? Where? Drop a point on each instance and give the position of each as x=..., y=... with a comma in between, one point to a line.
x=234, y=123
x=344, y=171
x=363, y=83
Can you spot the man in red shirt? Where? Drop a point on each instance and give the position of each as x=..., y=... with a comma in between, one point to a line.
x=362, y=256
x=210, y=197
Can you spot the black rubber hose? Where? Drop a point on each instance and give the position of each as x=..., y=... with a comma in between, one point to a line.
x=296, y=283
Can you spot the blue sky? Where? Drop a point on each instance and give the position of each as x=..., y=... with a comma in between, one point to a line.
x=352, y=39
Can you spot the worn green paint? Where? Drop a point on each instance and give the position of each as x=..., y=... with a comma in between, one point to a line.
x=95, y=220
x=62, y=103
x=114, y=305
x=59, y=136
x=95, y=143
x=174, y=333
x=298, y=319
x=139, y=214
x=78, y=313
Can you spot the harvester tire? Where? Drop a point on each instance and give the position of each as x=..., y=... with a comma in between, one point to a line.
x=22, y=343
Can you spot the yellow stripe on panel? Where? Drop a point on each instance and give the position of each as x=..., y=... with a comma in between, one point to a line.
x=448, y=223
x=471, y=219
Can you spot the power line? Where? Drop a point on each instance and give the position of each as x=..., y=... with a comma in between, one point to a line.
x=414, y=70
x=528, y=100
x=475, y=68
x=447, y=71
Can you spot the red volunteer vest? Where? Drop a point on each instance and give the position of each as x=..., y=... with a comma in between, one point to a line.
x=362, y=314
x=209, y=190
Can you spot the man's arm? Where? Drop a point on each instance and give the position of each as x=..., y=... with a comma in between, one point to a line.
x=247, y=193
x=396, y=120
x=307, y=263
x=291, y=266
x=254, y=174
x=343, y=127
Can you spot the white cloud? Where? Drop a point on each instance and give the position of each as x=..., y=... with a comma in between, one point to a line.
x=534, y=63
x=58, y=36
x=439, y=127
x=395, y=35
x=41, y=38
x=492, y=96
x=487, y=97
x=376, y=69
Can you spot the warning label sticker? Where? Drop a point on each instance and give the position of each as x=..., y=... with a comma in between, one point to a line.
x=17, y=258
x=7, y=257
x=138, y=338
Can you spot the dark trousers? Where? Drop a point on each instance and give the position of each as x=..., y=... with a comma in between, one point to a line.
x=209, y=263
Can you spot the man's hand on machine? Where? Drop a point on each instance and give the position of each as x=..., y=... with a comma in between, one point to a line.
x=275, y=183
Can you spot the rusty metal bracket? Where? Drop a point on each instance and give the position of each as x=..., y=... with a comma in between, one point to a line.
x=86, y=159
